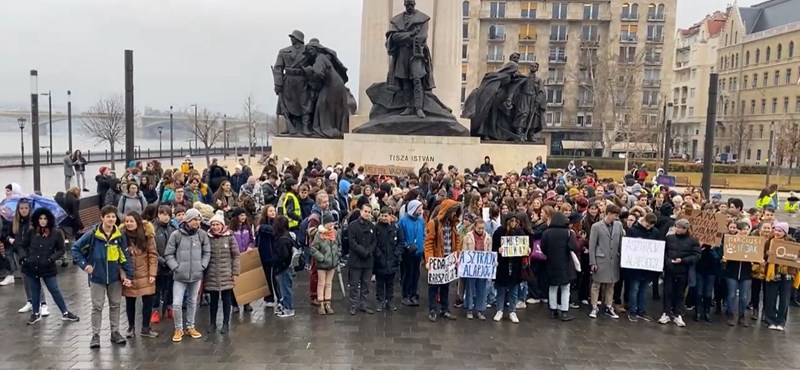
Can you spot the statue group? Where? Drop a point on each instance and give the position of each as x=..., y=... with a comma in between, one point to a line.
x=312, y=97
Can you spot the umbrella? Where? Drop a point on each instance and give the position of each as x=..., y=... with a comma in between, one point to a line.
x=9, y=206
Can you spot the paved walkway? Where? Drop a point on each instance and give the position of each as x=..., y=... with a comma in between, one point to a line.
x=399, y=340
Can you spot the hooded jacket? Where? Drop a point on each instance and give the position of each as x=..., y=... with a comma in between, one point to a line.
x=557, y=243
x=223, y=264
x=108, y=256
x=362, y=239
x=412, y=231
x=388, y=250
x=38, y=253
x=187, y=254
x=113, y=195
x=685, y=247
x=145, y=265
x=434, y=230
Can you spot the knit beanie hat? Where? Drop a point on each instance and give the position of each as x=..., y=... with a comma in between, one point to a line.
x=413, y=206
x=327, y=218
x=219, y=216
x=191, y=214
x=682, y=223
x=783, y=226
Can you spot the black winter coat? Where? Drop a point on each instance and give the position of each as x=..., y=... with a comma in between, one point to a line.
x=283, y=248
x=557, y=241
x=388, y=249
x=38, y=254
x=638, y=231
x=509, y=269
x=685, y=247
x=162, y=233
x=362, y=239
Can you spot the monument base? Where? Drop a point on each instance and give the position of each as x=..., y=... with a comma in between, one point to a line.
x=409, y=151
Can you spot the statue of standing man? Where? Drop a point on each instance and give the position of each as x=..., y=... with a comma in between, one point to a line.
x=411, y=68
x=294, y=103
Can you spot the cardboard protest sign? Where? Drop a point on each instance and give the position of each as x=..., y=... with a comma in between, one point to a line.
x=515, y=246
x=443, y=269
x=251, y=285
x=387, y=170
x=643, y=254
x=744, y=248
x=784, y=253
x=477, y=264
x=708, y=227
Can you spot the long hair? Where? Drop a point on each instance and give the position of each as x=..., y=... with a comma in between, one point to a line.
x=18, y=223
x=138, y=236
x=264, y=218
x=236, y=225
x=221, y=193
x=280, y=226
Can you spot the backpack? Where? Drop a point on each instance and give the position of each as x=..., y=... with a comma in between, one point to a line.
x=301, y=237
x=125, y=199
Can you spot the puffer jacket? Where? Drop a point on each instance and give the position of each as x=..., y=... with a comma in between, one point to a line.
x=326, y=252
x=107, y=256
x=388, y=249
x=145, y=266
x=685, y=247
x=188, y=253
x=38, y=253
x=361, y=234
x=131, y=203
x=161, y=236
x=224, y=262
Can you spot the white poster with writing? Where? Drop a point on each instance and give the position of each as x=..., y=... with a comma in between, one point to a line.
x=515, y=246
x=443, y=269
x=477, y=264
x=643, y=254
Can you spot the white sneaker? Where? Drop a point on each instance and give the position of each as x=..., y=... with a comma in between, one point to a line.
x=664, y=319
x=513, y=317
x=593, y=314
x=43, y=310
x=521, y=304
x=270, y=304
x=773, y=327
x=781, y=328
x=585, y=302
x=611, y=313
x=498, y=316
x=28, y=307
x=9, y=280
x=544, y=300
x=532, y=301
x=679, y=321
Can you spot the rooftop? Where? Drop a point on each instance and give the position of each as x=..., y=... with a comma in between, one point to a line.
x=769, y=14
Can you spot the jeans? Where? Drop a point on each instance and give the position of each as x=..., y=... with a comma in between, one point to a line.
x=147, y=309
x=522, y=293
x=620, y=292
x=443, y=290
x=213, y=306
x=285, y=282
x=506, y=294
x=755, y=294
x=637, y=296
x=191, y=290
x=324, y=284
x=80, y=179
x=163, y=296
x=384, y=288
x=563, y=305
x=52, y=286
x=744, y=289
x=410, y=278
x=674, y=289
x=704, y=288
x=358, y=280
x=491, y=292
x=776, y=301
x=475, y=294
x=26, y=284
x=99, y=293
x=271, y=273
x=539, y=286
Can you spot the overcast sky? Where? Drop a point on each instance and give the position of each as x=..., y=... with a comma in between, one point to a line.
x=212, y=52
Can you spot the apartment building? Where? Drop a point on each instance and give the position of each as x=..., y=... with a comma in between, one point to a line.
x=695, y=58
x=759, y=68
x=555, y=34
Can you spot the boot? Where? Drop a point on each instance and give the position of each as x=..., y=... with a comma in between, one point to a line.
x=743, y=322
x=553, y=314
x=328, y=308
x=706, y=309
x=731, y=321
x=225, y=328
x=697, y=309
x=321, y=308
x=566, y=317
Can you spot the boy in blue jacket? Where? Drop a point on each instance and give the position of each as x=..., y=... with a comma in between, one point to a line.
x=412, y=232
x=103, y=254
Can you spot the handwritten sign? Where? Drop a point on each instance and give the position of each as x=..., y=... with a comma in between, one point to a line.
x=744, y=248
x=485, y=213
x=784, y=253
x=642, y=254
x=665, y=180
x=387, y=170
x=515, y=246
x=477, y=264
x=443, y=270
x=708, y=227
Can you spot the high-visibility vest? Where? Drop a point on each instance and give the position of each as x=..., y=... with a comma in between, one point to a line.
x=290, y=196
x=790, y=207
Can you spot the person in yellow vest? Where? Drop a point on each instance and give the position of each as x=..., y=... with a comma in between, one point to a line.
x=791, y=204
x=779, y=283
x=290, y=207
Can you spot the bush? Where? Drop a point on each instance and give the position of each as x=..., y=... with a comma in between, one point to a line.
x=674, y=165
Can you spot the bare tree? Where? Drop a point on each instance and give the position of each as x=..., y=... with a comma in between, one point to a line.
x=788, y=145
x=249, y=109
x=207, y=129
x=741, y=135
x=105, y=122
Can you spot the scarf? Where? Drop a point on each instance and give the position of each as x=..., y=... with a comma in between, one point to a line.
x=222, y=232
x=479, y=240
x=328, y=234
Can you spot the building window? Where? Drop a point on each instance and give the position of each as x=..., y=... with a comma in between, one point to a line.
x=560, y=10
x=465, y=9
x=497, y=32
x=558, y=54
x=628, y=33
x=741, y=108
x=789, y=76
x=591, y=11
x=758, y=55
x=791, y=49
x=464, y=53
x=777, y=78
x=755, y=80
x=527, y=32
x=694, y=73
x=725, y=108
x=774, y=105
x=766, y=79
x=528, y=10
x=797, y=104
x=779, y=52
x=749, y=152
x=655, y=33
x=747, y=58
x=555, y=75
x=558, y=32
x=465, y=31
x=552, y=118
x=744, y=82
x=736, y=61
x=496, y=53
x=760, y=131
x=464, y=73
x=497, y=9
x=763, y=106
x=758, y=155
x=691, y=111
x=630, y=11
x=691, y=92
x=527, y=53
x=627, y=54
x=555, y=96
x=786, y=104
x=767, y=54
x=650, y=98
x=655, y=12
x=463, y=94
x=585, y=97
x=653, y=55
x=753, y=107
x=590, y=33
x=584, y=119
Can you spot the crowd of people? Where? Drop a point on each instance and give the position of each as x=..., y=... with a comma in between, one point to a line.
x=173, y=238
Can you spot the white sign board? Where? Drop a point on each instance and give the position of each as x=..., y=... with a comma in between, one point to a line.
x=443, y=270
x=515, y=246
x=643, y=254
x=477, y=264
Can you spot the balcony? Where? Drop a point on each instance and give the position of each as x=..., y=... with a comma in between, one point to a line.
x=629, y=17
x=656, y=17
x=627, y=60
x=651, y=83
x=590, y=39
x=558, y=38
x=681, y=65
x=525, y=39
x=653, y=60
x=496, y=58
x=555, y=80
x=497, y=38
x=655, y=39
x=555, y=103
x=558, y=60
x=585, y=103
x=628, y=38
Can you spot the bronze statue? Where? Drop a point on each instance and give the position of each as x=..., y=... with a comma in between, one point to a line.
x=290, y=86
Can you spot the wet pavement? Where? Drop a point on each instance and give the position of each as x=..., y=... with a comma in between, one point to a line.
x=398, y=340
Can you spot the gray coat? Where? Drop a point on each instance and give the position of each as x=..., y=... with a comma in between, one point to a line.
x=604, y=251
x=129, y=203
x=224, y=263
x=187, y=255
x=69, y=170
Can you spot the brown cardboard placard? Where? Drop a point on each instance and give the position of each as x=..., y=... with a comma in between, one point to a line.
x=784, y=253
x=744, y=248
x=251, y=284
x=387, y=170
x=708, y=227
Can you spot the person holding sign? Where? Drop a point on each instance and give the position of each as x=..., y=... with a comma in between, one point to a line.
x=738, y=277
x=509, y=269
x=605, y=242
x=638, y=280
x=682, y=252
x=558, y=242
x=441, y=239
x=779, y=282
x=475, y=288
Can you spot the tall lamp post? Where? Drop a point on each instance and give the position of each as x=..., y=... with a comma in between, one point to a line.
x=49, y=96
x=21, y=122
x=69, y=119
x=667, y=135
x=225, y=137
x=171, y=149
x=195, y=126
x=37, y=160
x=160, y=149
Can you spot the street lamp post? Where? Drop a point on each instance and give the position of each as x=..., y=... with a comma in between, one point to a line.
x=21, y=122
x=49, y=96
x=171, y=149
x=195, y=125
x=37, y=161
x=667, y=135
x=160, y=149
x=225, y=137
x=69, y=119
